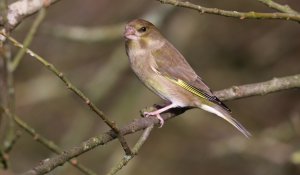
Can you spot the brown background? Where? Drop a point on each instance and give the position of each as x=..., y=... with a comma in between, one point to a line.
x=224, y=51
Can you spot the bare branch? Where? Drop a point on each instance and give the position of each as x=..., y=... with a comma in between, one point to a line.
x=104, y=33
x=48, y=144
x=142, y=123
x=71, y=87
x=21, y=9
x=85, y=34
x=274, y=85
x=28, y=39
x=3, y=160
x=135, y=151
x=234, y=14
x=279, y=7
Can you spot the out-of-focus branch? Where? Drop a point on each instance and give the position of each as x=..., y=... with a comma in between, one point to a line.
x=85, y=34
x=3, y=9
x=7, y=90
x=12, y=142
x=47, y=143
x=28, y=39
x=10, y=98
x=103, y=33
x=295, y=158
x=3, y=160
x=234, y=14
x=135, y=151
x=142, y=123
x=11, y=136
x=99, y=78
x=70, y=86
x=279, y=7
x=271, y=136
x=19, y=10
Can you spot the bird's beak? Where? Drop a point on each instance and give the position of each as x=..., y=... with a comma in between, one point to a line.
x=129, y=33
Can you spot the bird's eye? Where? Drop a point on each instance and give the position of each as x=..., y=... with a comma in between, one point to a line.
x=142, y=29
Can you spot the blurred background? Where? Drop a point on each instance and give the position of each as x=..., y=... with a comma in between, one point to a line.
x=84, y=40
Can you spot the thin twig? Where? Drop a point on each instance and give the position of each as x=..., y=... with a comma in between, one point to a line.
x=70, y=86
x=9, y=98
x=28, y=39
x=12, y=64
x=135, y=151
x=3, y=11
x=11, y=135
x=141, y=123
x=279, y=7
x=3, y=160
x=13, y=141
x=3, y=77
x=47, y=143
x=234, y=14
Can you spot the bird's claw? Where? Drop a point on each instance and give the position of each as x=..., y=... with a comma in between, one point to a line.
x=157, y=115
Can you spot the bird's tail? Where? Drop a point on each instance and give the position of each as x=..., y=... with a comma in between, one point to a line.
x=219, y=111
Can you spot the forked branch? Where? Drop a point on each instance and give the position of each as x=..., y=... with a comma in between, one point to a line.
x=235, y=92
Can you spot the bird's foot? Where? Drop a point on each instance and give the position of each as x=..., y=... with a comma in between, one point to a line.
x=157, y=115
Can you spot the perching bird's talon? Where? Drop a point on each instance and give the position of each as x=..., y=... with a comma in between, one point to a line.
x=161, y=120
x=157, y=115
x=146, y=114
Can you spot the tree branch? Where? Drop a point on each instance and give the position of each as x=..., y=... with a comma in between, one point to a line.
x=135, y=151
x=21, y=9
x=28, y=39
x=262, y=88
x=76, y=91
x=234, y=14
x=103, y=33
x=279, y=7
x=48, y=143
x=256, y=89
x=86, y=34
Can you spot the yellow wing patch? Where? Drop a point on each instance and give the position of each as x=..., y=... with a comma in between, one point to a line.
x=199, y=92
x=189, y=88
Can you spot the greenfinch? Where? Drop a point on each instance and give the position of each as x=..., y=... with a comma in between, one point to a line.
x=163, y=69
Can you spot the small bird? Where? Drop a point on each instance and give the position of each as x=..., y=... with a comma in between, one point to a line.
x=162, y=68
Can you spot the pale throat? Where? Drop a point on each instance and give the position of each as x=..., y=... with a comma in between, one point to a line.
x=141, y=46
x=140, y=54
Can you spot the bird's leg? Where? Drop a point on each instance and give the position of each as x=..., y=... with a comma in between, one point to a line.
x=165, y=103
x=158, y=112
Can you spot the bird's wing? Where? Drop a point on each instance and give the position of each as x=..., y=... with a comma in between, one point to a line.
x=171, y=64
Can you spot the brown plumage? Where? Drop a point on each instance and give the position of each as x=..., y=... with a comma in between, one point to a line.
x=162, y=68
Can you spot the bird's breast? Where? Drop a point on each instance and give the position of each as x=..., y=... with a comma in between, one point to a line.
x=144, y=66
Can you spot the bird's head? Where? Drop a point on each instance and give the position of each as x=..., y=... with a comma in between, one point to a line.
x=139, y=29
